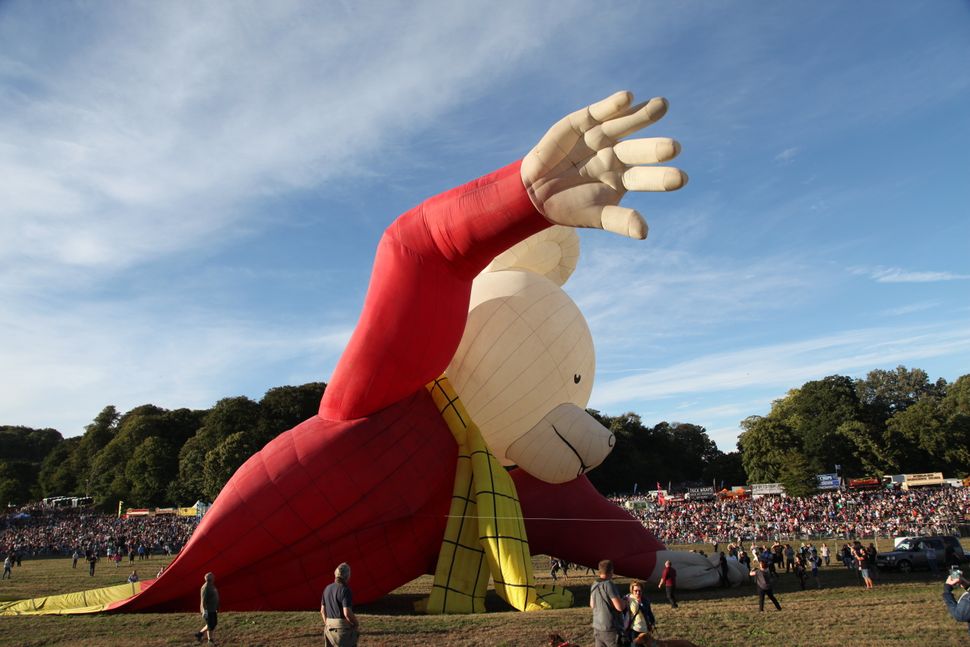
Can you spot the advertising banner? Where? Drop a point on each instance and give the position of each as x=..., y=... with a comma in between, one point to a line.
x=700, y=493
x=828, y=481
x=760, y=489
x=929, y=478
x=868, y=483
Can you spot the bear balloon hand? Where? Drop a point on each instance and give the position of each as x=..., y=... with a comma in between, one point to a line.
x=580, y=169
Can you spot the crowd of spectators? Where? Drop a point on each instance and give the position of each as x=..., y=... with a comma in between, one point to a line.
x=836, y=514
x=38, y=531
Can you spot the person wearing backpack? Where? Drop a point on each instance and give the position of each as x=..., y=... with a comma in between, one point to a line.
x=608, y=607
x=640, y=618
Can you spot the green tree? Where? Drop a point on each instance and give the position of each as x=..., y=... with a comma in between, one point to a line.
x=912, y=437
x=889, y=392
x=933, y=434
x=822, y=407
x=189, y=486
x=284, y=407
x=763, y=445
x=621, y=468
x=58, y=472
x=727, y=469
x=17, y=482
x=198, y=476
x=222, y=462
x=797, y=475
x=24, y=444
x=869, y=450
x=689, y=451
x=150, y=469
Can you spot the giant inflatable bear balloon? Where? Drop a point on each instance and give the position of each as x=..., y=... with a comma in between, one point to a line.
x=370, y=479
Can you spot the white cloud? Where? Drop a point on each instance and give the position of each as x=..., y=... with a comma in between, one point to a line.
x=70, y=362
x=911, y=308
x=786, y=365
x=899, y=275
x=637, y=295
x=787, y=156
x=148, y=135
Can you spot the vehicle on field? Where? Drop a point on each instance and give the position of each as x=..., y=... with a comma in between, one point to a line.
x=910, y=553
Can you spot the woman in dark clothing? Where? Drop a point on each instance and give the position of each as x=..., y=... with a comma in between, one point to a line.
x=800, y=571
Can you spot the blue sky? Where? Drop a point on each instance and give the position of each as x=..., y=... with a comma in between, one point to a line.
x=191, y=193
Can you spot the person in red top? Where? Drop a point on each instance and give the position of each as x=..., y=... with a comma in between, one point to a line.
x=668, y=578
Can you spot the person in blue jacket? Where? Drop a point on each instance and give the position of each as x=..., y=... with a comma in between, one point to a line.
x=959, y=609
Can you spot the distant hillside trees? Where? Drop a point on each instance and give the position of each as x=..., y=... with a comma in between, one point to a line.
x=890, y=422
x=22, y=451
x=667, y=452
x=149, y=456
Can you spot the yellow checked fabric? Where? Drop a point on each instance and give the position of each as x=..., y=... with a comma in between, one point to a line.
x=91, y=601
x=485, y=533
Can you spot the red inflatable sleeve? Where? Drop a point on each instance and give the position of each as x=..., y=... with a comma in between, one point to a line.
x=415, y=310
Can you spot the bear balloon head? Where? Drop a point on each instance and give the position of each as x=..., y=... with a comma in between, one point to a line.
x=524, y=367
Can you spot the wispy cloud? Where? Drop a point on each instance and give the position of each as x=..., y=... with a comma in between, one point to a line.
x=71, y=361
x=147, y=131
x=637, y=295
x=788, y=155
x=786, y=365
x=911, y=308
x=899, y=275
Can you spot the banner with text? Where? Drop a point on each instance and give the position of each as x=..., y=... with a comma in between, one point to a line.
x=700, y=493
x=828, y=481
x=929, y=478
x=760, y=489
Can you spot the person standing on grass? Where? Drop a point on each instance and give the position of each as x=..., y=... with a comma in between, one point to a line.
x=607, y=605
x=7, y=569
x=814, y=561
x=642, y=620
x=762, y=578
x=668, y=579
x=340, y=625
x=92, y=560
x=209, y=606
x=931, y=559
x=75, y=556
x=722, y=566
x=556, y=565
x=862, y=557
x=799, y=566
x=824, y=552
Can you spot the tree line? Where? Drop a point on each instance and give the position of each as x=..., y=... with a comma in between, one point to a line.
x=890, y=422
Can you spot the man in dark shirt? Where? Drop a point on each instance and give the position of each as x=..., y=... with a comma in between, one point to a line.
x=209, y=606
x=340, y=628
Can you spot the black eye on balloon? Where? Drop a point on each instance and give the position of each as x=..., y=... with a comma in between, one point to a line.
x=576, y=378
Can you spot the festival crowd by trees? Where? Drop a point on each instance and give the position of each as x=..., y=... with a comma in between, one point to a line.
x=893, y=421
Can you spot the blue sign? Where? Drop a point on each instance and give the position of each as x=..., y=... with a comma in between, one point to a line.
x=828, y=481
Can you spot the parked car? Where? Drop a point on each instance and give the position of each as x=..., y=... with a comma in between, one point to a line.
x=910, y=553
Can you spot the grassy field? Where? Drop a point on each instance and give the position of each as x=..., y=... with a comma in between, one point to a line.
x=901, y=610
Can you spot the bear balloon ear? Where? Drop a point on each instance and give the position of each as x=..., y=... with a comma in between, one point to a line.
x=553, y=253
